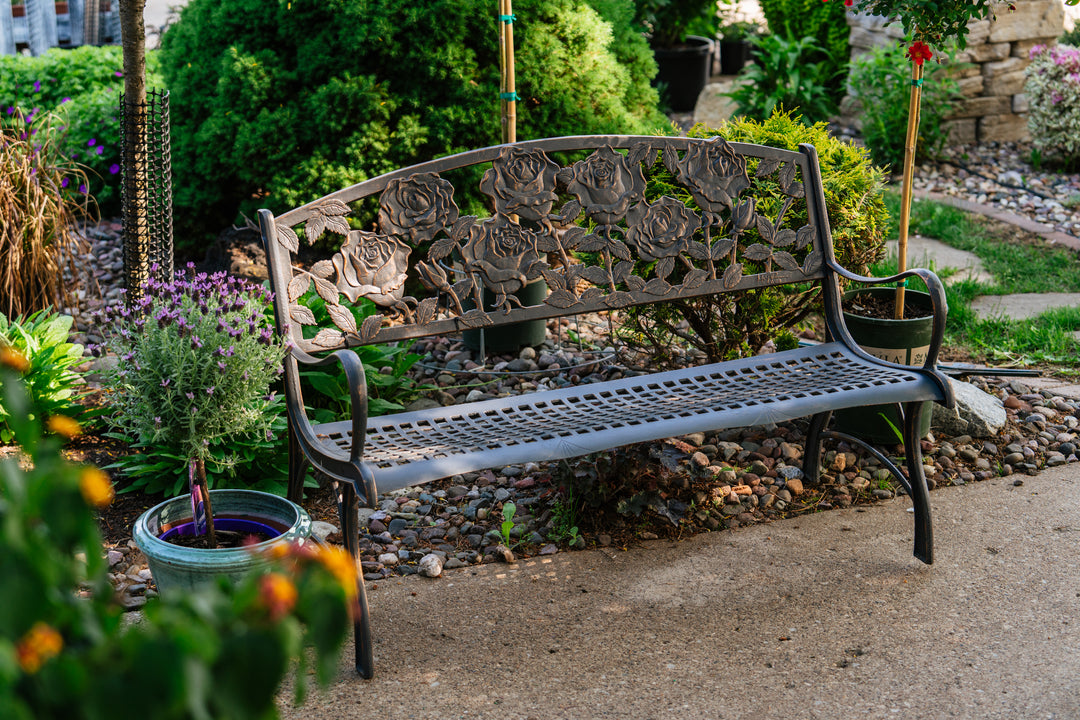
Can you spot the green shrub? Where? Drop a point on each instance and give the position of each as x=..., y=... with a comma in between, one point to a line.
x=881, y=81
x=1071, y=37
x=275, y=105
x=785, y=76
x=734, y=324
x=823, y=21
x=52, y=384
x=82, y=87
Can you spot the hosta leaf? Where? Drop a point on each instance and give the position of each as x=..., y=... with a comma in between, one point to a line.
x=298, y=286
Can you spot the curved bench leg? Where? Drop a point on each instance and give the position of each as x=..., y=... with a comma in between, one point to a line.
x=347, y=507
x=812, y=447
x=298, y=464
x=920, y=495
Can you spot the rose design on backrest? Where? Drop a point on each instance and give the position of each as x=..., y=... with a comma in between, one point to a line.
x=504, y=254
x=521, y=182
x=661, y=230
x=607, y=185
x=373, y=266
x=713, y=173
x=417, y=207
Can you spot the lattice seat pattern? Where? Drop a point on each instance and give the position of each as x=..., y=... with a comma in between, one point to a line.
x=415, y=447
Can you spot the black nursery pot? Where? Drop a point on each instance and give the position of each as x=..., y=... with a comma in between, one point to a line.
x=684, y=71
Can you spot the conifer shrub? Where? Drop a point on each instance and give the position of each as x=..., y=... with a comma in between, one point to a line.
x=276, y=104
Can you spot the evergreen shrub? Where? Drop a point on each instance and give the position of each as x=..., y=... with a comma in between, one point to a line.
x=277, y=104
x=823, y=21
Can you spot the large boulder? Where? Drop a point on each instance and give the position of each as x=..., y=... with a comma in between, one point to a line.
x=977, y=413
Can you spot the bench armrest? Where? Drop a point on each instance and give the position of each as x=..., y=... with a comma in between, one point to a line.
x=358, y=401
x=937, y=300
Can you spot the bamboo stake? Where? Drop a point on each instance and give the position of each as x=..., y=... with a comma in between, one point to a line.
x=909, y=172
x=508, y=85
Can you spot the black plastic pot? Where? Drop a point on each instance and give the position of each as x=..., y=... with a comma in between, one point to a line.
x=905, y=342
x=515, y=336
x=683, y=71
x=734, y=54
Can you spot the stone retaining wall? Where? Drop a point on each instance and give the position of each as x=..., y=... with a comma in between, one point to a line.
x=994, y=106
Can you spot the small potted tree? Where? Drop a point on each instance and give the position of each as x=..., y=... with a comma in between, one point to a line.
x=683, y=60
x=196, y=357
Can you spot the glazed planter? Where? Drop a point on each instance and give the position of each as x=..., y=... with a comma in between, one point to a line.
x=683, y=71
x=175, y=567
x=904, y=342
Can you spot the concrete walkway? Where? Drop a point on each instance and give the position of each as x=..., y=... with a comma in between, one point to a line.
x=825, y=616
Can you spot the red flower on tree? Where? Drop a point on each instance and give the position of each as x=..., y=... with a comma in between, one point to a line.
x=918, y=52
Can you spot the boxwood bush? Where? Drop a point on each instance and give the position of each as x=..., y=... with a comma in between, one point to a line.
x=277, y=103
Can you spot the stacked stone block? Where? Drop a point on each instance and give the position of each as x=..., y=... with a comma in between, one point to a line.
x=990, y=71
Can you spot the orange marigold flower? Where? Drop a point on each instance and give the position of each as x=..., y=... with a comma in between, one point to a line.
x=14, y=359
x=96, y=488
x=40, y=643
x=64, y=426
x=341, y=565
x=278, y=594
x=918, y=52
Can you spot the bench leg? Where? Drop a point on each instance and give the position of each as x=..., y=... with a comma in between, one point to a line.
x=297, y=468
x=347, y=507
x=812, y=447
x=920, y=495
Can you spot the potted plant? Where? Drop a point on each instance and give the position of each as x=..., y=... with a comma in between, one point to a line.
x=196, y=356
x=221, y=651
x=683, y=60
x=736, y=46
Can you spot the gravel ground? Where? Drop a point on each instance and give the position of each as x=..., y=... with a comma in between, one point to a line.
x=706, y=481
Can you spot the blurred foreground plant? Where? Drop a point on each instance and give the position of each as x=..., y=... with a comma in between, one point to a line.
x=219, y=652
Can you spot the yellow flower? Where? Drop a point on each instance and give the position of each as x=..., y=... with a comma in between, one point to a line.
x=64, y=426
x=96, y=487
x=341, y=565
x=14, y=359
x=278, y=594
x=39, y=644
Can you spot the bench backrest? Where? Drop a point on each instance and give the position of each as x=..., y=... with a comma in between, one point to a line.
x=606, y=229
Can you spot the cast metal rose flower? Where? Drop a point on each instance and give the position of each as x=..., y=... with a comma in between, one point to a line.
x=372, y=266
x=606, y=185
x=714, y=173
x=417, y=207
x=521, y=182
x=504, y=253
x=661, y=230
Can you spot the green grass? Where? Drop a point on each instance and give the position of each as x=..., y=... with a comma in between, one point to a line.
x=1018, y=265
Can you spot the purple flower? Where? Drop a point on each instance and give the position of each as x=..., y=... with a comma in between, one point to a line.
x=37, y=86
x=165, y=383
x=100, y=149
x=230, y=352
x=64, y=183
x=11, y=110
x=118, y=74
x=157, y=420
x=82, y=188
x=222, y=366
x=196, y=343
x=64, y=100
x=91, y=142
x=190, y=396
x=210, y=390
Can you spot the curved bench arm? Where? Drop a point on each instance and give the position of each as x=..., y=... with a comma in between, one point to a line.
x=358, y=400
x=937, y=299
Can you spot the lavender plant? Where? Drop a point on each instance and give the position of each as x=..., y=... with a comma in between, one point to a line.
x=197, y=355
x=1053, y=91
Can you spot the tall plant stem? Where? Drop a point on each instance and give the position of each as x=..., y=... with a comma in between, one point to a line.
x=909, y=172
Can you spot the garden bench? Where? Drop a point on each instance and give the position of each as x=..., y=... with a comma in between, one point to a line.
x=575, y=211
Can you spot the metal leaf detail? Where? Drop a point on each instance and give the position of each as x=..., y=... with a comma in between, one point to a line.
x=767, y=166
x=619, y=250
x=787, y=176
x=338, y=225
x=555, y=280
x=722, y=247
x=657, y=287
x=302, y=315
x=622, y=270
x=765, y=229
x=732, y=276
x=804, y=236
x=298, y=286
x=595, y=292
x=633, y=282
x=370, y=327
x=698, y=251
x=786, y=261
x=695, y=278
x=341, y=317
x=332, y=208
x=757, y=252
x=327, y=290
x=323, y=269
x=561, y=299
x=441, y=248
x=784, y=238
x=475, y=318
x=425, y=311
x=664, y=267
x=288, y=239
x=460, y=230
x=812, y=262
x=327, y=338
x=591, y=243
x=618, y=299
x=573, y=237
x=595, y=274
x=314, y=228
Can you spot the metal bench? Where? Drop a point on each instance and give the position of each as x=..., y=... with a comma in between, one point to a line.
x=587, y=228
